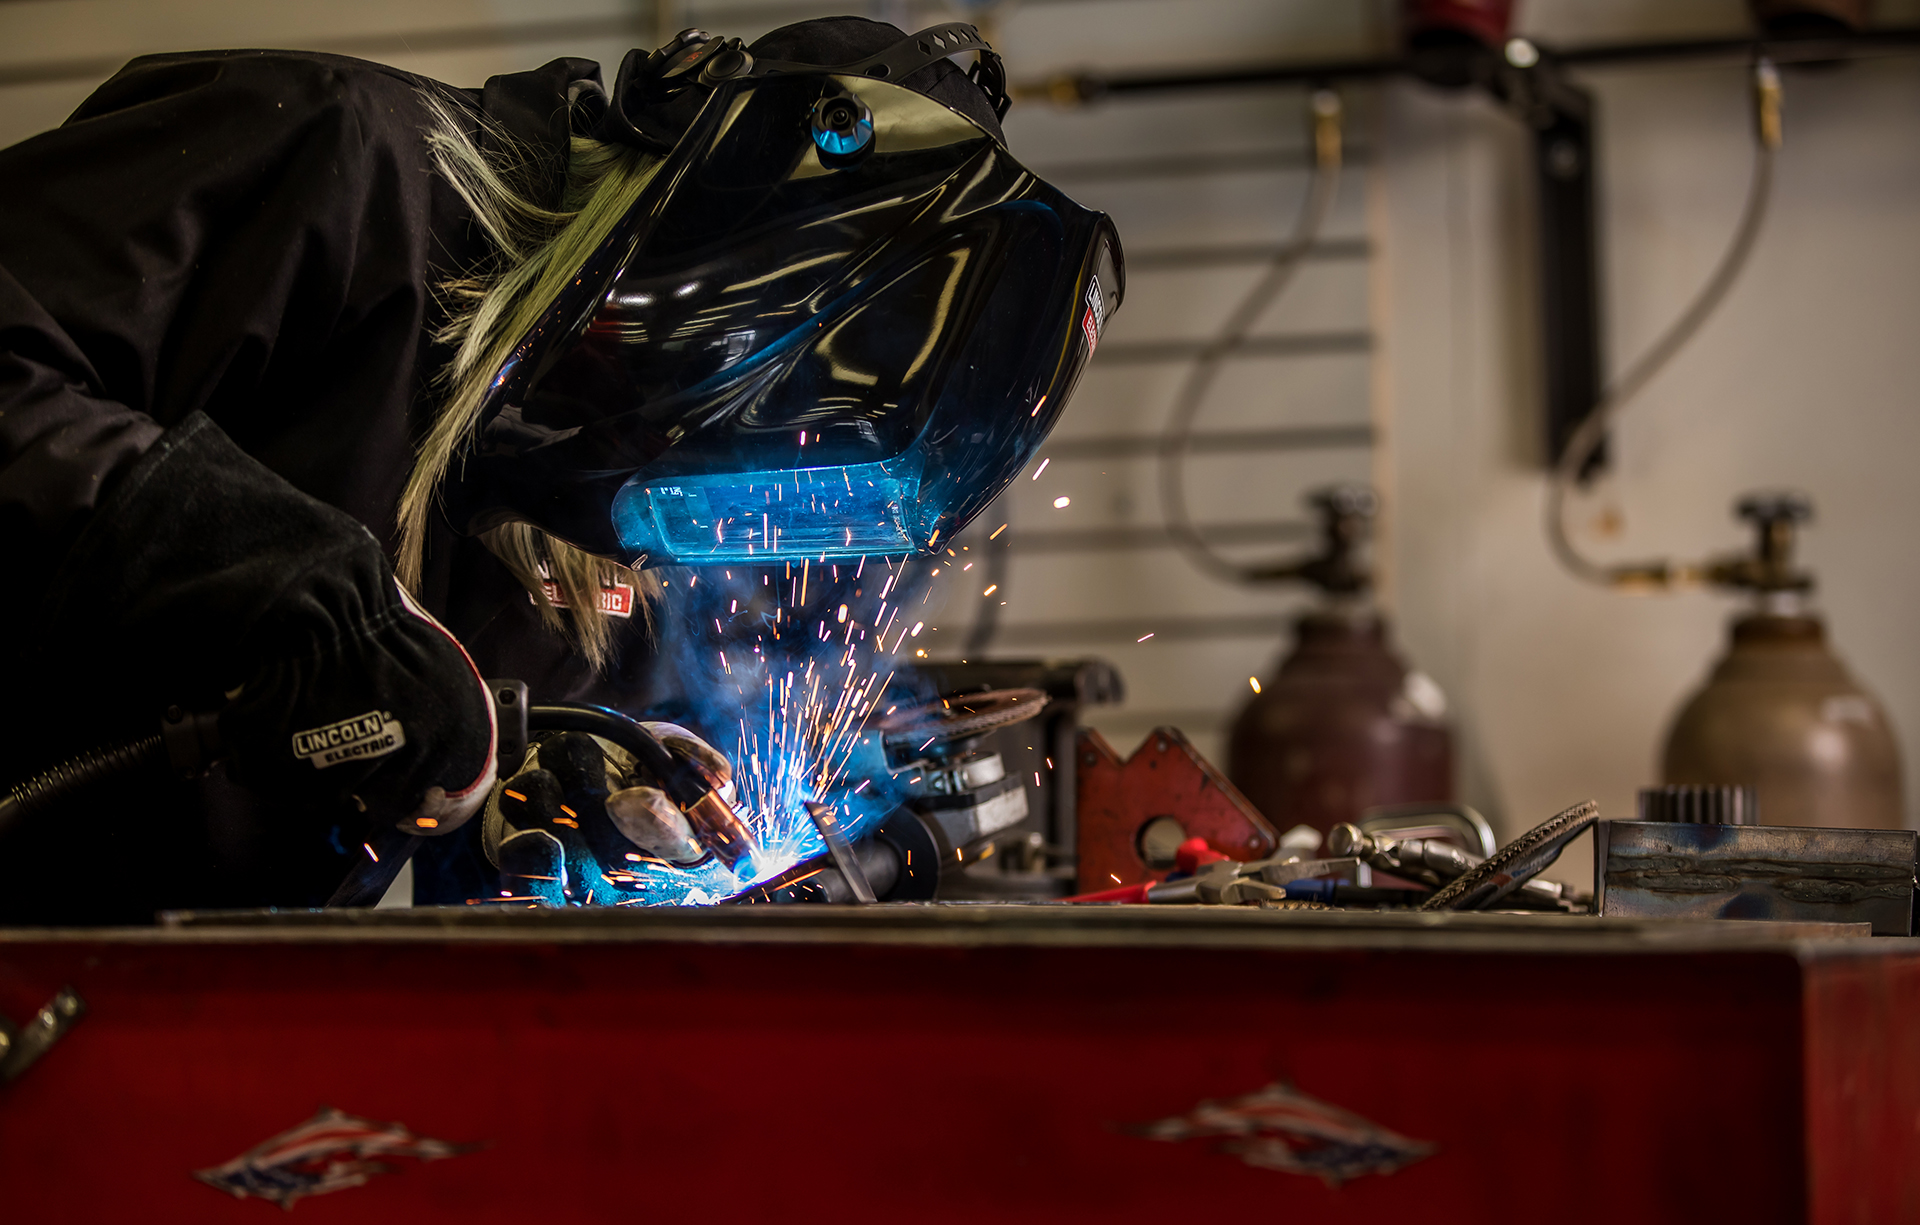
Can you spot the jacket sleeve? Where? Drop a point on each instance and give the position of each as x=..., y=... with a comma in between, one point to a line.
x=63, y=442
x=202, y=234
x=199, y=236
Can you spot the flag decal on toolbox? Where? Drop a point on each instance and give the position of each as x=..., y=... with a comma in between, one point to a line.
x=331, y=1151
x=1281, y=1128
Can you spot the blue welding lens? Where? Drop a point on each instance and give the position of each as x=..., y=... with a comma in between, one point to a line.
x=783, y=352
x=859, y=510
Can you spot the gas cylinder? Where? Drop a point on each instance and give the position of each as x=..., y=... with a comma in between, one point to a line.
x=1343, y=725
x=1780, y=712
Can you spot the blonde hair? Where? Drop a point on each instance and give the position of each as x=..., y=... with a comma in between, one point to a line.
x=489, y=309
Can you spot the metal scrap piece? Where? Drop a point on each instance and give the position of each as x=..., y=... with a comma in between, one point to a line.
x=842, y=852
x=1516, y=863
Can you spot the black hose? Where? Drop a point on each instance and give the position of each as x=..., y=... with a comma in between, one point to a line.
x=626, y=732
x=1176, y=439
x=1570, y=468
x=51, y=786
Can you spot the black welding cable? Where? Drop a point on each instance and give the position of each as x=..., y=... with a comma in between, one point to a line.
x=51, y=786
x=1177, y=437
x=624, y=730
x=1593, y=430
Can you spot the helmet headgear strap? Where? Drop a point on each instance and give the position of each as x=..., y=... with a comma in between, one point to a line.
x=664, y=80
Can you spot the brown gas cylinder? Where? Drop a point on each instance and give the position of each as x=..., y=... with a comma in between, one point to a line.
x=1343, y=726
x=1780, y=711
x=1781, y=714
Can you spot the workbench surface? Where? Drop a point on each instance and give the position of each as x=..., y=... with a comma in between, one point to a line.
x=989, y=924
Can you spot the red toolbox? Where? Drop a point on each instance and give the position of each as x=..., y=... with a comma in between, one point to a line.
x=962, y=1063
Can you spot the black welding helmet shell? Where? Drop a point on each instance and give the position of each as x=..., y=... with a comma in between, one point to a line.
x=838, y=321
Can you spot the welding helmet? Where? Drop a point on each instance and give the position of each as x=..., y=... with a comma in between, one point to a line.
x=838, y=320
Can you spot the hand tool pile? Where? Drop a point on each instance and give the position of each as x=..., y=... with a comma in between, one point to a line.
x=1422, y=873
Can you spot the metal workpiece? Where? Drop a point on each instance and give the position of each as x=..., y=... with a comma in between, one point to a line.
x=844, y=860
x=904, y=860
x=868, y=868
x=1677, y=870
x=21, y=1048
x=873, y=866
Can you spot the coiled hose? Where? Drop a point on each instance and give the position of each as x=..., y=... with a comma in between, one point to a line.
x=52, y=786
x=1571, y=467
x=622, y=730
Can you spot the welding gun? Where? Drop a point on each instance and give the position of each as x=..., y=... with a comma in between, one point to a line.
x=566, y=847
x=687, y=782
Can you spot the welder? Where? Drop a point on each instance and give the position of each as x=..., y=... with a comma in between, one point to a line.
x=327, y=390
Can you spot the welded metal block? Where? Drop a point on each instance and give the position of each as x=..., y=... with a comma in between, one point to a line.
x=1659, y=869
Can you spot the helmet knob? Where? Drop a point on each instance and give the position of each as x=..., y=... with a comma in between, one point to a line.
x=842, y=125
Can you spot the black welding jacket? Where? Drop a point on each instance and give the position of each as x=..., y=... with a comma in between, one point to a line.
x=234, y=252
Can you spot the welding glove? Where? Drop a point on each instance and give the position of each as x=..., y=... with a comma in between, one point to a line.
x=579, y=819
x=357, y=692
x=234, y=591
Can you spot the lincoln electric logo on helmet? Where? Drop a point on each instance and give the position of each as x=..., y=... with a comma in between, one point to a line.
x=374, y=734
